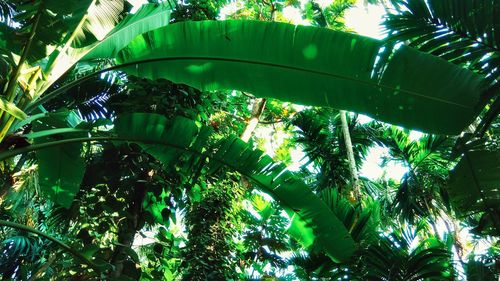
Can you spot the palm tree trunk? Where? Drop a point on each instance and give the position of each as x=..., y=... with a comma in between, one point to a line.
x=355, y=192
x=457, y=243
x=257, y=109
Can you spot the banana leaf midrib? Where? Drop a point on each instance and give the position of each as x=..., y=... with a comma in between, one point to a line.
x=263, y=63
x=7, y=154
x=311, y=66
x=70, y=85
x=11, y=153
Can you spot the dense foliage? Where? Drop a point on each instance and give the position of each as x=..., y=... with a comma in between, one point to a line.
x=150, y=142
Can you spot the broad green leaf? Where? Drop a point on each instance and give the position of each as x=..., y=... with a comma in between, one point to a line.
x=51, y=132
x=61, y=171
x=12, y=109
x=311, y=66
x=148, y=17
x=60, y=168
x=299, y=230
x=328, y=232
x=172, y=138
x=100, y=18
x=473, y=186
x=154, y=127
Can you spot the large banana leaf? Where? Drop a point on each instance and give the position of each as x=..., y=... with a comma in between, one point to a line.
x=473, y=188
x=324, y=230
x=311, y=66
x=148, y=17
x=60, y=168
x=452, y=29
x=180, y=141
x=89, y=20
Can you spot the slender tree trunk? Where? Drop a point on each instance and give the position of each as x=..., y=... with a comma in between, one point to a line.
x=456, y=235
x=257, y=109
x=355, y=192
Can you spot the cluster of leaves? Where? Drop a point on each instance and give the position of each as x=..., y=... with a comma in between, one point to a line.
x=320, y=134
x=421, y=191
x=213, y=221
x=264, y=240
x=182, y=139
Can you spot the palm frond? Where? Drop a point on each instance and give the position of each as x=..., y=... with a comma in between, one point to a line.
x=484, y=267
x=17, y=251
x=473, y=190
x=393, y=259
x=362, y=221
x=462, y=32
x=427, y=160
x=319, y=132
x=91, y=98
x=7, y=11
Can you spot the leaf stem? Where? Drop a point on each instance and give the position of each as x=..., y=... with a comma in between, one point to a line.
x=15, y=74
x=11, y=87
x=61, y=244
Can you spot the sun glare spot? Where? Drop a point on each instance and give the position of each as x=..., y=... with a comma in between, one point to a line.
x=310, y=51
x=294, y=15
x=353, y=43
x=199, y=68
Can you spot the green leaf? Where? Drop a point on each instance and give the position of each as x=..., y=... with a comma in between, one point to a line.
x=311, y=66
x=173, y=138
x=89, y=251
x=60, y=168
x=157, y=208
x=167, y=274
x=195, y=193
x=148, y=17
x=101, y=18
x=69, y=7
x=300, y=231
x=12, y=109
x=154, y=127
x=473, y=186
x=451, y=29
